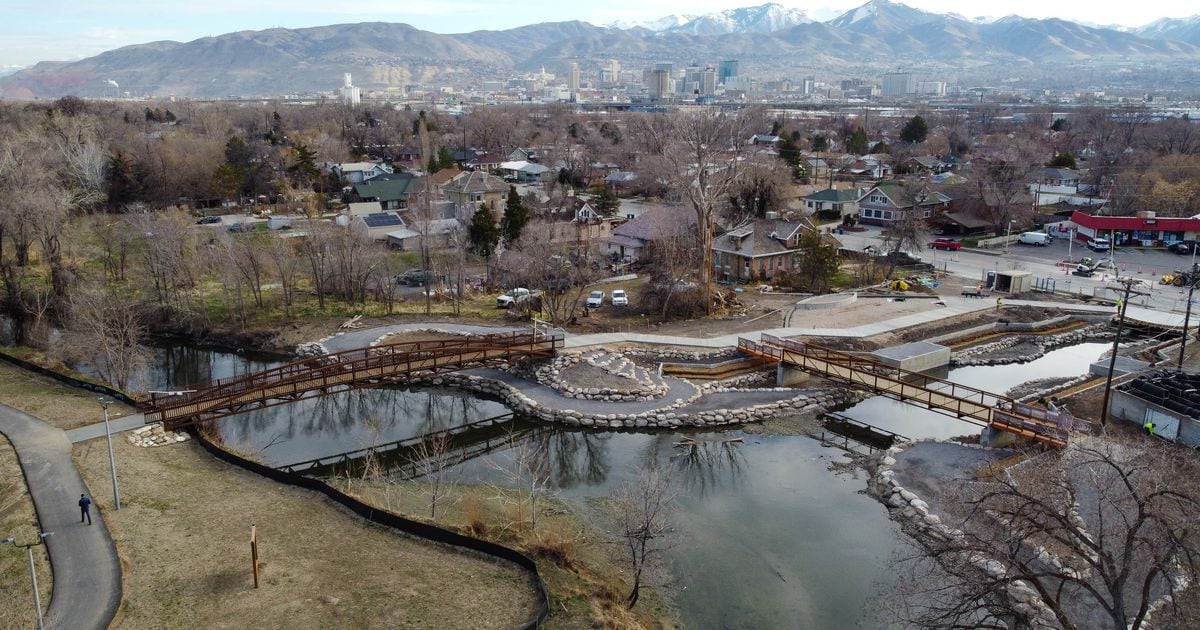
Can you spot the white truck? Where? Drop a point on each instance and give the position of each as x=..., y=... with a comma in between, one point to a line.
x=513, y=297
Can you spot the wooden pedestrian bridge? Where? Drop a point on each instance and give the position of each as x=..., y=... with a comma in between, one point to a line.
x=960, y=401
x=384, y=364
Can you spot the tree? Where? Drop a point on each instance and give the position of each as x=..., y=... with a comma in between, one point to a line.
x=909, y=230
x=858, y=142
x=1063, y=159
x=914, y=131
x=483, y=234
x=643, y=506
x=304, y=170
x=759, y=190
x=696, y=155
x=516, y=216
x=606, y=201
x=818, y=262
x=106, y=330
x=819, y=143
x=1093, y=536
x=121, y=181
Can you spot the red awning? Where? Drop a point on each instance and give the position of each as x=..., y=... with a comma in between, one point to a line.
x=1166, y=224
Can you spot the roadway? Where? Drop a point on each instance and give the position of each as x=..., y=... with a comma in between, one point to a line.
x=1145, y=265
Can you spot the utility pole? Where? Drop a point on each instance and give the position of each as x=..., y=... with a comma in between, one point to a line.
x=1112, y=360
x=1187, y=314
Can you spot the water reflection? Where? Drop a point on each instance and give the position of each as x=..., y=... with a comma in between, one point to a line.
x=703, y=465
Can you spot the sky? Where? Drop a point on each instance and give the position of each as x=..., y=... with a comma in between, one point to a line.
x=74, y=29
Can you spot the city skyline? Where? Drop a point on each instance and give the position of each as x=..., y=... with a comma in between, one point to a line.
x=80, y=29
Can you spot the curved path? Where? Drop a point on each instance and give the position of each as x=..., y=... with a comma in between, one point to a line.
x=87, y=573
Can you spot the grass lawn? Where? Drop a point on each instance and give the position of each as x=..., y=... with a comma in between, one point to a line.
x=18, y=520
x=183, y=529
x=60, y=406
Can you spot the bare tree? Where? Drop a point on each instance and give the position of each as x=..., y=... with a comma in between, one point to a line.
x=696, y=154
x=107, y=331
x=1097, y=535
x=643, y=506
x=286, y=264
x=432, y=459
x=909, y=230
x=529, y=472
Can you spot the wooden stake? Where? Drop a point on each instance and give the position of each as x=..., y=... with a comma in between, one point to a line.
x=254, y=552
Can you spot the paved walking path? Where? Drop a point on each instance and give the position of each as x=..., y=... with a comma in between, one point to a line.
x=117, y=425
x=87, y=573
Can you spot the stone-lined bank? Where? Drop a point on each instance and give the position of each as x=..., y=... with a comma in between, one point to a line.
x=975, y=355
x=643, y=385
x=809, y=400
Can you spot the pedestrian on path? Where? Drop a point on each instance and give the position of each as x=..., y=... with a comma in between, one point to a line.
x=84, y=509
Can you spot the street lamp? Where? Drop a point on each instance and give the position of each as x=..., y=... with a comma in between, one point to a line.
x=1008, y=235
x=112, y=461
x=37, y=599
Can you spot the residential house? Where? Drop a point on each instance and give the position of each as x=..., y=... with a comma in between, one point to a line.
x=523, y=154
x=391, y=191
x=632, y=241
x=924, y=164
x=621, y=181
x=441, y=234
x=961, y=223
x=764, y=138
x=843, y=201
x=487, y=162
x=378, y=224
x=757, y=250
x=522, y=171
x=363, y=208
x=470, y=188
x=1062, y=185
x=869, y=167
x=359, y=172
x=887, y=202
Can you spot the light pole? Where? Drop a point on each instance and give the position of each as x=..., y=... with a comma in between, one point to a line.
x=1008, y=235
x=112, y=461
x=37, y=599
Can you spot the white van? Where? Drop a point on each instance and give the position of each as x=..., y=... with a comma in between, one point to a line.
x=1098, y=244
x=1034, y=238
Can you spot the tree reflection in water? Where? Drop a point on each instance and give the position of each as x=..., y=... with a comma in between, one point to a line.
x=573, y=456
x=702, y=464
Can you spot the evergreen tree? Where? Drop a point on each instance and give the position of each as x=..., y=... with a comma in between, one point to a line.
x=881, y=147
x=858, y=142
x=445, y=159
x=790, y=154
x=121, y=181
x=483, y=233
x=915, y=130
x=606, y=201
x=305, y=168
x=819, y=142
x=1063, y=160
x=516, y=216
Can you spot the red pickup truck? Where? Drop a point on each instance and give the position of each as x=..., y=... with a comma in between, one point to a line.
x=946, y=243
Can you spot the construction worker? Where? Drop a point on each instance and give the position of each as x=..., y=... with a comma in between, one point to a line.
x=999, y=303
x=1149, y=426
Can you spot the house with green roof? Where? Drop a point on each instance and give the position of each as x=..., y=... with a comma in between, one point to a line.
x=391, y=191
x=889, y=202
x=843, y=201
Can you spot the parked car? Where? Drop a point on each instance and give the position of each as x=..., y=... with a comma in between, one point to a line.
x=244, y=226
x=619, y=298
x=208, y=220
x=1183, y=247
x=513, y=297
x=1034, y=238
x=595, y=299
x=416, y=277
x=947, y=244
x=1097, y=244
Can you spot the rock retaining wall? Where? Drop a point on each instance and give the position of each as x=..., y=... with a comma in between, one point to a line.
x=908, y=508
x=663, y=418
x=643, y=384
x=972, y=355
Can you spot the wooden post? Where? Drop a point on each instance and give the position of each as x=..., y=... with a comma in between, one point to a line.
x=254, y=552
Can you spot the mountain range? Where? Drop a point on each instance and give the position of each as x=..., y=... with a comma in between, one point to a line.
x=769, y=40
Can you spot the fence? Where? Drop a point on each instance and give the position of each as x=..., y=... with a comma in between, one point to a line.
x=71, y=381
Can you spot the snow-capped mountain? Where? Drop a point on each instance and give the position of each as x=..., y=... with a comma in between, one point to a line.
x=766, y=18
x=661, y=24
x=1180, y=29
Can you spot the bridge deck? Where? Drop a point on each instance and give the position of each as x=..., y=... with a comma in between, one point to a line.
x=341, y=371
x=966, y=403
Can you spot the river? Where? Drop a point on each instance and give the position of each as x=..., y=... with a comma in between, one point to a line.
x=769, y=535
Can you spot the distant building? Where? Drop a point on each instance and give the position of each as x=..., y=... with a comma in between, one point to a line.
x=573, y=79
x=659, y=85
x=351, y=95
x=728, y=70
x=931, y=88
x=897, y=84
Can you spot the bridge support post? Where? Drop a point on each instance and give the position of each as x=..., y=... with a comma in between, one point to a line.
x=790, y=376
x=995, y=438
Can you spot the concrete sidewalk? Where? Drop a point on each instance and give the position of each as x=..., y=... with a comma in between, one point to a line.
x=87, y=573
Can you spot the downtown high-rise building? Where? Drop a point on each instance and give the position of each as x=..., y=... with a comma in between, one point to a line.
x=727, y=70
x=896, y=84
x=573, y=78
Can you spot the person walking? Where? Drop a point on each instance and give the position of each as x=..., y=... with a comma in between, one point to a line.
x=85, y=505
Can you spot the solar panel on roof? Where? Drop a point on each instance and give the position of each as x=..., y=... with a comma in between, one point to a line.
x=382, y=219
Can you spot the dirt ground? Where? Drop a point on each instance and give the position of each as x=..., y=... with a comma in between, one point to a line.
x=183, y=530
x=18, y=520
x=59, y=405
